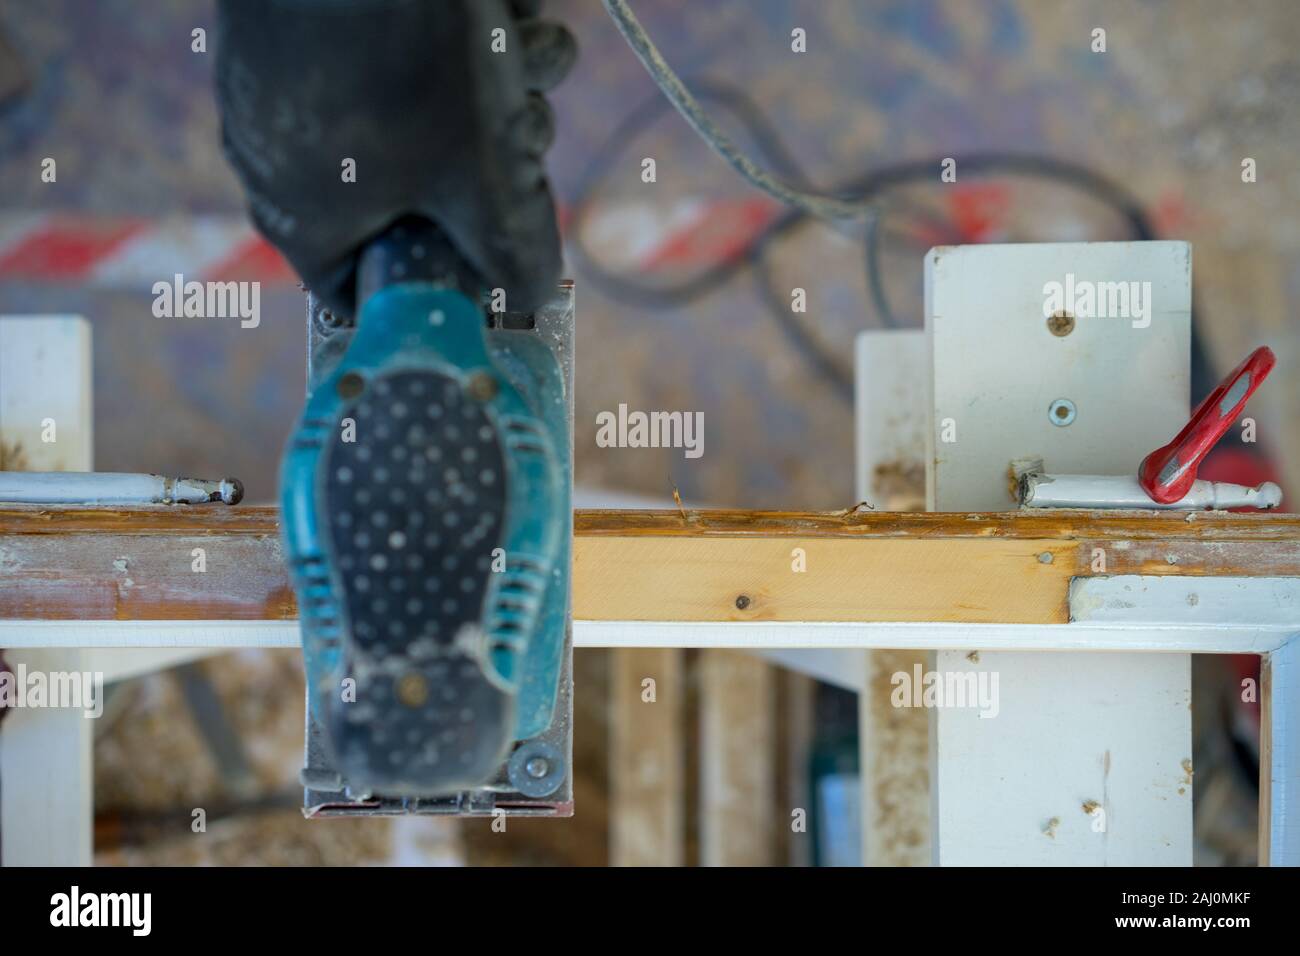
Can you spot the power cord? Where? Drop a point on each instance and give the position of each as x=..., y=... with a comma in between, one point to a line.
x=862, y=199
x=816, y=204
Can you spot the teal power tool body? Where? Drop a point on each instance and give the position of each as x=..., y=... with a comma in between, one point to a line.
x=426, y=497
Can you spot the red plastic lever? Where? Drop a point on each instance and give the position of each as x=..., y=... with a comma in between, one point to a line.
x=1168, y=472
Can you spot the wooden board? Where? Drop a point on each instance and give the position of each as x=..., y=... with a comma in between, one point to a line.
x=136, y=564
x=1048, y=789
x=647, y=812
x=892, y=384
x=737, y=760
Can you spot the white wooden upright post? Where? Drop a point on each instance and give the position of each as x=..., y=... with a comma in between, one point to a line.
x=46, y=774
x=893, y=387
x=1078, y=353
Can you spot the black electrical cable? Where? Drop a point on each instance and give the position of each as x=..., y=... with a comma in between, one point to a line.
x=1068, y=174
x=650, y=295
x=750, y=255
x=822, y=205
x=873, y=186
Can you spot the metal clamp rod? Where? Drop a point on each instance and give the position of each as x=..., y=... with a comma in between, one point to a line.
x=113, y=488
x=1123, y=491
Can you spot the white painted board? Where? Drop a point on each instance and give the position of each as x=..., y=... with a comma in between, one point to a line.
x=46, y=774
x=1123, y=372
x=997, y=368
x=1074, y=782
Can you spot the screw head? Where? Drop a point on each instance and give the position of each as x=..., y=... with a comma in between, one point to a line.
x=742, y=602
x=482, y=387
x=351, y=385
x=1061, y=412
x=325, y=322
x=413, y=690
x=536, y=768
x=1060, y=324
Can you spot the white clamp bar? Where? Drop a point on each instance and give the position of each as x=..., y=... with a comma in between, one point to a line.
x=1123, y=491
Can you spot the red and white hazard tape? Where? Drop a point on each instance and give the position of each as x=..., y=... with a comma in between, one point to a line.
x=131, y=252
x=123, y=252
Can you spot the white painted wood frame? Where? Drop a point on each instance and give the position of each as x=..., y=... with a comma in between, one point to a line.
x=46, y=772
